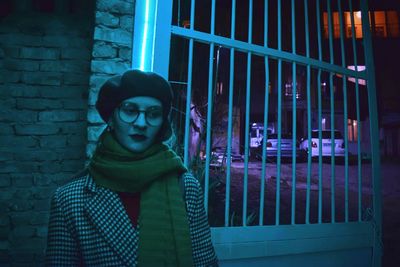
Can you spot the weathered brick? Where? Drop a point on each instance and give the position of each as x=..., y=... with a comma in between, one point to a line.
x=75, y=66
x=6, y=129
x=6, y=155
x=42, y=193
x=7, y=194
x=42, y=78
x=17, y=142
x=106, y=19
x=4, y=232
x=72, y=127
x=5, y=180
x=36, y=129
x=7, y=167
x=20, y=205
x=23, y=231
x=94, y=132
x=41, y=204
x=125, y=53
x=117, y=36
x=65, y=66
x=72, y=165
x=109, y=67
x=1, y=52
x=39, y=218
x=11, y=76
x=101, y=50
x=17, y=90
x=4, y=220
x=71, y=152
x=75, y=53
x=126, y=23
x=11, y=51
x=74, y=104
x=41, y=231
x=41, y=179
x=21, y=39
x=61, y=41
x=23, y=194
x=36, y=155
x=27, y=245
x=76, y=79
x=20, y=218
x=21, y=180
x=63, y=92
x=59, y=116
x=39, y=53
x=28, y=65
x=36, y=104
x=8, y=115
x=8, y=103
x=76, y=140
x=26, y=167
x=53, y=141
x=115, y=6
x=93, y=116
x=97, y=80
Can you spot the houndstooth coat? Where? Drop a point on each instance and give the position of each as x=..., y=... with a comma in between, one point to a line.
x=89, y=227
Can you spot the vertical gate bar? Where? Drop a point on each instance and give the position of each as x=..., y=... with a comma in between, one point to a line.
x=209, y=122
x=247, y=128
x=230, y=114
x=278, y=159
x=345, y=115
x=266, y=108
x=359, y=174
x=319, y=115
x=188, y=101
x=294, y=115
x=332, y=107
x=189, y=90
x=308, y=107
x=209, y=109
x=374, y=134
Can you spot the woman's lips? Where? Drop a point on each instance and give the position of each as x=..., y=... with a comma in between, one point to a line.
x=138, y=137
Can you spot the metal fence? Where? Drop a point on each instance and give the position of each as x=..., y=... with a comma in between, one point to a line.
x=296, y=65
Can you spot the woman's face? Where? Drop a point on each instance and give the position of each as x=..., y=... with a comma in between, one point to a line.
x=137, y=121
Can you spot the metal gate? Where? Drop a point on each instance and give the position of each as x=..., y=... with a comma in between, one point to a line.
x=303, y=68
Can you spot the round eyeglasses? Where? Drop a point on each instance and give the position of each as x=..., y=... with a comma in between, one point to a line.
x=129, y=114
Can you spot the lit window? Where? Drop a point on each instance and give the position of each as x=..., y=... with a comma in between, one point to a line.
x=380, y=24
x=357, y=24
x=392, y=24
x=352, y=133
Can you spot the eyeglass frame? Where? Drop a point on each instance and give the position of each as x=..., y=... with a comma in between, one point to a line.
x=139, y=112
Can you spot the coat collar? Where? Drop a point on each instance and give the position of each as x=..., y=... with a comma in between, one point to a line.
x=108, y=215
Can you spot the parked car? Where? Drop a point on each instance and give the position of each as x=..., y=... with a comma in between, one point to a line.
x=339, y=149
x=272, y=147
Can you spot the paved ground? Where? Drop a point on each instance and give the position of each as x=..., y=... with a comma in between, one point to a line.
x=390, y=173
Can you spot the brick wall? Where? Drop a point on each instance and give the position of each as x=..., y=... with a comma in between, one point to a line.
x=112, y=52
x=45, y=53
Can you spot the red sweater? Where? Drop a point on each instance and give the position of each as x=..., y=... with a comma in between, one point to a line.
x=131, y=202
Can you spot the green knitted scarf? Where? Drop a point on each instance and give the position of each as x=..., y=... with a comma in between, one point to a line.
x=164, y=238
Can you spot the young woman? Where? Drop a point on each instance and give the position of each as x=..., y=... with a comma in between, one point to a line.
x=137, y=205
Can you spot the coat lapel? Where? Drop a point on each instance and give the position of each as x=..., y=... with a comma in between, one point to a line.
x=108, y=215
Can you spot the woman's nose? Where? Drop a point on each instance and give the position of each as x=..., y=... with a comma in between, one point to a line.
x=141, y=120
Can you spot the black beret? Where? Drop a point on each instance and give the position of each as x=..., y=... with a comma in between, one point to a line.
x=135, y=83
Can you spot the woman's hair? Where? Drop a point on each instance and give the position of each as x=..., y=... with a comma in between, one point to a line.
x=134, y=83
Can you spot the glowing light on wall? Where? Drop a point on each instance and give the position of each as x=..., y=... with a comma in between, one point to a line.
x=144, y=34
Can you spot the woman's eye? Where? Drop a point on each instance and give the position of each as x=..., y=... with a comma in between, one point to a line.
x=154, y=113
x=130, y=111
